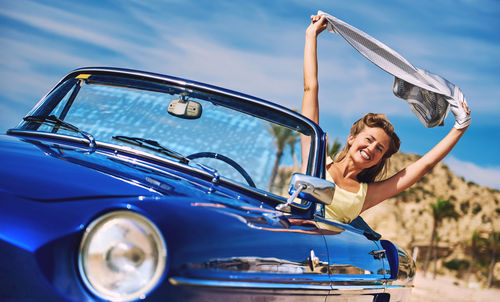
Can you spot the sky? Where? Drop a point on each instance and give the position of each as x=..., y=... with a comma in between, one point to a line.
x=256, y=47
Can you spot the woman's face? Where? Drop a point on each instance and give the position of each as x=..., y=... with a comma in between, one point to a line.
x=368, y=147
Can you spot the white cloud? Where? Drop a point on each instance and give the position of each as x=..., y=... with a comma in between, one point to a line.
x=204, y=60
x=73, y=26
x=9, y=118
x=21, y=56
x=485, y=176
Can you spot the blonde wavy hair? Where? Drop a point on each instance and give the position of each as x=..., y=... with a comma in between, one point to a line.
x=373, y=120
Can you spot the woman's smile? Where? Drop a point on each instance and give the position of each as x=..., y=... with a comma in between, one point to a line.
x=365, y=155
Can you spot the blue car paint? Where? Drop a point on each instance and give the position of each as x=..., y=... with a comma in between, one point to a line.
x=52, y=189
x=25, y=155
x=37, y=226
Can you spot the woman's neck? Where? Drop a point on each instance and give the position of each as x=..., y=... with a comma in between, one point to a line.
x=347, y=169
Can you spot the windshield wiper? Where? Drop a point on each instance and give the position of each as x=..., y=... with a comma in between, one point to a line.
x=156, y=146
x=152, y=145
x=58, y=123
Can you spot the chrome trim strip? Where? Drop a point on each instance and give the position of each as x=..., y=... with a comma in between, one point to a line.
x=181, y=281
x=243, y=284
x=358, y=287
x=399, y=286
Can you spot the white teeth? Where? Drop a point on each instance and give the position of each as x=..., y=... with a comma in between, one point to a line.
x=364, y=155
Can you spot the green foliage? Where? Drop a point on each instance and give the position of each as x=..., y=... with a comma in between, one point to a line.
x=416, y=189
x=476, y=209
x=457, y=264
x=415, y=193
x=485, y=248
x=334, y=148
x=485, y=219
x=283, y=137
x=464, y=207
x=449, y=180
x=442, y=209
x=403, y=196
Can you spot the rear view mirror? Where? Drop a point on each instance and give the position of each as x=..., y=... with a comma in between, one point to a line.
x=184, y=108
x=310, y=188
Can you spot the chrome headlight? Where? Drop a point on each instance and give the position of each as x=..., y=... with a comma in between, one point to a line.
x=122, y=256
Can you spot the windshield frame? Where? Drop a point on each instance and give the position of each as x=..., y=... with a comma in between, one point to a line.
x=253, y=106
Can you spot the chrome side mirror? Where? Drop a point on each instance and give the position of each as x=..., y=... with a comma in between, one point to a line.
x=309, y=188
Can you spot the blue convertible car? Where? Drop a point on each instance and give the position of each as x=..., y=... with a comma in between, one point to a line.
x=124, y=185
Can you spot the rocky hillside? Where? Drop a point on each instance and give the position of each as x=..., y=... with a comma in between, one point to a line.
x=407, y=218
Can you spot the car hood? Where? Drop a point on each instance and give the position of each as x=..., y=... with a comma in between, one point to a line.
x=45, y=171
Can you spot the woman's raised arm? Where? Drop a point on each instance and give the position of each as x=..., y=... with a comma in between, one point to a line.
x=310, y=106
x=379, y=191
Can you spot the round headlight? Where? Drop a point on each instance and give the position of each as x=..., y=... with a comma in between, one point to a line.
x=122, y=256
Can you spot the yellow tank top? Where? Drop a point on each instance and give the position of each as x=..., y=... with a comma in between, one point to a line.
x=345, y=205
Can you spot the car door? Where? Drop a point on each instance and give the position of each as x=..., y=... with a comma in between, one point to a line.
x=356, y=264
x=267, y=257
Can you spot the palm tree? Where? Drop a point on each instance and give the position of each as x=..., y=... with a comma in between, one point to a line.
x=282, y=137
x=494, y=247
x=473, y=252
x=334, y=149
x=441, y=209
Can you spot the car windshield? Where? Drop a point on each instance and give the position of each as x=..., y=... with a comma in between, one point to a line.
x=245, y=141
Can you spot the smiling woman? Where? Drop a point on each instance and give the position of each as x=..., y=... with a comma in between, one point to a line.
x=358, y=170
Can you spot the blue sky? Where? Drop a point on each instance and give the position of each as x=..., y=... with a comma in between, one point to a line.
x=256, y=47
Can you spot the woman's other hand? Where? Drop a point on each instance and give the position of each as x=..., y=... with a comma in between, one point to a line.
x=461, y=111
x=318, y=24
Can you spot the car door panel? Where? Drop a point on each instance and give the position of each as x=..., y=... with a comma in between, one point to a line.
x=268, y=255
x=356, y=263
